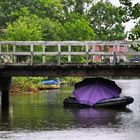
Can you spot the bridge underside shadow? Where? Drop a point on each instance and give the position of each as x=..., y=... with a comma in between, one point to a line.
x=80, y=70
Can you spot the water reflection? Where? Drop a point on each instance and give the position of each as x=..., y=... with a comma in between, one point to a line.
x=90, y=117
x=59, y=118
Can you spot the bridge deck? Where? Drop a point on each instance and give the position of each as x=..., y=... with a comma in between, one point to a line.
x=120, y=70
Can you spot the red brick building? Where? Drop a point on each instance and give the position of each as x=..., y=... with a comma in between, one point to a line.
x=100, y=58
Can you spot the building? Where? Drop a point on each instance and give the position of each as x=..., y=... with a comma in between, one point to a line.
x=103, y=58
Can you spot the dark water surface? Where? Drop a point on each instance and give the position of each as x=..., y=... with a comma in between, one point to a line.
x=41, y=116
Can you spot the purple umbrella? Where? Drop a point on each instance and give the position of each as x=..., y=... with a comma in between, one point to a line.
x=91, y=90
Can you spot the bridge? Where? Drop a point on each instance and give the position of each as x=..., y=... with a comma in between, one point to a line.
x=65, y=58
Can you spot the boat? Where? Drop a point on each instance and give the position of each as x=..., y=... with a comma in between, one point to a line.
x=97, y=92
x=49, y=84
x=118, y=102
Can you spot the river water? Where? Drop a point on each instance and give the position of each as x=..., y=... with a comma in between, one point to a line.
x=41, y=116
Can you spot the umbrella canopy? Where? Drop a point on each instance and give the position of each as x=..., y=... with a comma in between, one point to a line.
x=92, y=90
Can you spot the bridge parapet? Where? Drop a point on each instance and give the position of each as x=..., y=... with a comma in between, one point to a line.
x=63, y=52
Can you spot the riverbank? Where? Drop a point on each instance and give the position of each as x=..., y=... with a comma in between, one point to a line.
x=31, y=84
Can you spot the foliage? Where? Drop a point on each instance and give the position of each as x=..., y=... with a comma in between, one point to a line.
x=70, y=80
x=61, y=20
x=135, y=35
x=74, y=27
x=26, y=83
x=132, y=11
x=24, y=28
x=52, y=30
x=136, y=32
x=76, y=6
x=106, y=21
x=78, y=28
x=10, y=10
x=52, y=9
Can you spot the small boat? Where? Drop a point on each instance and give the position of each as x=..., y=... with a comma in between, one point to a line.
x=119, y=102
x=49, y=84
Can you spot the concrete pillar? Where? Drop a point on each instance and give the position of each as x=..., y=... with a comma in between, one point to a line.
x=5, y=85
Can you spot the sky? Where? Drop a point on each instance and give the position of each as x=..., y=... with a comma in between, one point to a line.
x=129, y=25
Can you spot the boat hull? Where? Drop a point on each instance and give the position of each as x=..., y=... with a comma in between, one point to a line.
x=45, y=87
x=120, y=102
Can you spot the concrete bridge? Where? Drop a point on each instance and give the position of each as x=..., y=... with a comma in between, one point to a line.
x=64, y=58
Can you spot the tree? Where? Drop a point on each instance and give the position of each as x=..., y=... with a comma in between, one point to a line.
x=76, y=6
x=136, y=31
x=132, y=11
x=24, y=28
x=53, y=30
x=78, y=28
x=10, y=10
x=52, y=9
x=74, y=27
x=106, y=21
x=135, y=35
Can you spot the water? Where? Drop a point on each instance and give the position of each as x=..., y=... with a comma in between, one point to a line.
x=41, y=116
